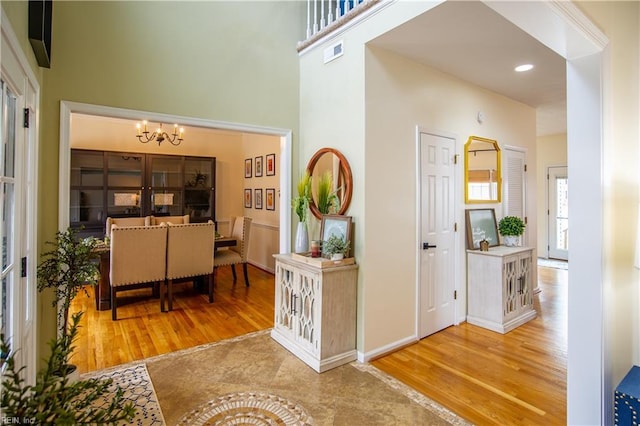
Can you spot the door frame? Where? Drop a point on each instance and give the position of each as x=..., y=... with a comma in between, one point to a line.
x=16, y=65
x=67, y=108
x=460, y=301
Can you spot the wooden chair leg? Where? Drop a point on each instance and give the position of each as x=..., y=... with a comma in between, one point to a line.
x=246, y=275
x=170, y=295
x=162, y=291
x=113, y=304
x=233, y=271
x=211, y=288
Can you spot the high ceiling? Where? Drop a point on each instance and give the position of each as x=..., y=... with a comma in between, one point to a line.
x=467, y=39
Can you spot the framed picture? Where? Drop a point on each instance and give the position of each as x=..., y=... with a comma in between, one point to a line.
x=481, y=225
x=333, y=224
x=258, y=172
x=247, y=168
x=271, y=198
x=258, y=199
x=271, y=165
x=247, y=198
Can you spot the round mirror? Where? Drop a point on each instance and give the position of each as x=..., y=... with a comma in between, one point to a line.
x=329, y=162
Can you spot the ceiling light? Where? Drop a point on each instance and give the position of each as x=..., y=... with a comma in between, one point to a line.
x=523, y=68
x=159, y=135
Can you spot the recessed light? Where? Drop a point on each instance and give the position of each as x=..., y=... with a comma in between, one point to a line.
x=523, y=67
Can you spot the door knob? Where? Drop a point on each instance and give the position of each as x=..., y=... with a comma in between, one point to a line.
x=427, y=246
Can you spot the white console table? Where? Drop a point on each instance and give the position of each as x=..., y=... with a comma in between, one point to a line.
x=315, y=311
x=500, y=287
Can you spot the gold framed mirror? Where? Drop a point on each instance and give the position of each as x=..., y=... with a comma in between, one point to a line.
x=482, y=177
x=329, y=160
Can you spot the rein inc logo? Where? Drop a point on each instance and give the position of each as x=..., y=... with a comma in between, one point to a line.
x=4, y=420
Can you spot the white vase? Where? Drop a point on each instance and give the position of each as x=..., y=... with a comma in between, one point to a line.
x=510, y=240
x=302, y=238
x=337, y=256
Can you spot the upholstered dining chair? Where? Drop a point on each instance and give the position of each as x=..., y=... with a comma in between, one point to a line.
x=190, y=253
x=124, y=221
x=157, y=220
x=240, y=229
x=138, y=259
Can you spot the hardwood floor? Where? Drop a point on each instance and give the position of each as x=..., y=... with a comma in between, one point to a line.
x=492, y=379
x=488, y=378
x=142, y=330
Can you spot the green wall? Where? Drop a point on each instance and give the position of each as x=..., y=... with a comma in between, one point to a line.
x=227, y=61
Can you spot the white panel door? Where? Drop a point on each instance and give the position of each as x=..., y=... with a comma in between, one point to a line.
x=558, y=223
x=514, y=185
x=437, y=260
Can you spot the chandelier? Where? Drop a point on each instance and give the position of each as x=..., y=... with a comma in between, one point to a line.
x=159, y=135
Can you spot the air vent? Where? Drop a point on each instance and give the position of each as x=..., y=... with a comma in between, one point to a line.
x=334, y=51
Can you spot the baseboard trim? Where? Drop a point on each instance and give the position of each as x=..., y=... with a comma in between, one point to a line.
x=387, y=349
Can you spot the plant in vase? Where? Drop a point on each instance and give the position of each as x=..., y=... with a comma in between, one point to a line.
x=300, y=204
x=328, y=201
x=511, y=227
x=335, y=247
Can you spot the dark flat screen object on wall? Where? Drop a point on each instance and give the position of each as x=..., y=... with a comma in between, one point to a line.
x=40, y=14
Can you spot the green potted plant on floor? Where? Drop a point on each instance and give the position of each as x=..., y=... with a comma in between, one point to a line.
x=54, y=398
x=511, y=227
x=335, y=247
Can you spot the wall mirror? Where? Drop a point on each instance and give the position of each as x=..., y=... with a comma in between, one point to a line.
x=482, y=179
x=330, y=160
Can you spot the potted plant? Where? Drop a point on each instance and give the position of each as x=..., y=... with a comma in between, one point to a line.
x=54, y=399
x=511, y=227
x=67, y=269
x=335, y=247
x=300, y=204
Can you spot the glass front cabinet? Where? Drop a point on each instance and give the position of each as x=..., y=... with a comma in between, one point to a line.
x=117, y=184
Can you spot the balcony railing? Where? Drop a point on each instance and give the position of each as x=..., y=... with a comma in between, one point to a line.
x=325, y=16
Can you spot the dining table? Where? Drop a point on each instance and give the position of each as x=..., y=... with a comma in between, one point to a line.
x=103, y=289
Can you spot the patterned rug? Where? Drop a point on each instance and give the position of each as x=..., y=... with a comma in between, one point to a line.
x=134, y=380
x=248, y=408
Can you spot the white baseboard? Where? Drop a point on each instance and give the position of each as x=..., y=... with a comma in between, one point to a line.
x=391, y=347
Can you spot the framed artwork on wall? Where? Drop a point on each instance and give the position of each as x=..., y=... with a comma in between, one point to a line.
x=481, y=225
x=271, y=165
x=258, y=200
x=247, y=198
x=258, y=163
x=333, y=224
x=247, y=168
x=271, y=198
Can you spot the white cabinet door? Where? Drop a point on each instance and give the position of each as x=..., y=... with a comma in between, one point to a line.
x=307, y=307
x=285, y=292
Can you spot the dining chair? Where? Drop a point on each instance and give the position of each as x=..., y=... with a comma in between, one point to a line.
x=240, y=230
x=138, y=259
x=124, y=221
x=157, y=220
x=190, y=253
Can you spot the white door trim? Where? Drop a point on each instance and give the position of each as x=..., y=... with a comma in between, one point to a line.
x=29, y=89
x=67, y=108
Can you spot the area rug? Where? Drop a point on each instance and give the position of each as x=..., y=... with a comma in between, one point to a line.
x=134, y=380
x=253, y=380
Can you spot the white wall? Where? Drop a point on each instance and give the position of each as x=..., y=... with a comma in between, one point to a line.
x=400, y=95
x=552, y=151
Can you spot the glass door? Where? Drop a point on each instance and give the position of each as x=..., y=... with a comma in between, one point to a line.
x=558, y=213
x=165, y=186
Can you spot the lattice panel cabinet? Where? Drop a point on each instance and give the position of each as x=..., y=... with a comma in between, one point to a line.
x=500, y=287
x=315, y=312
